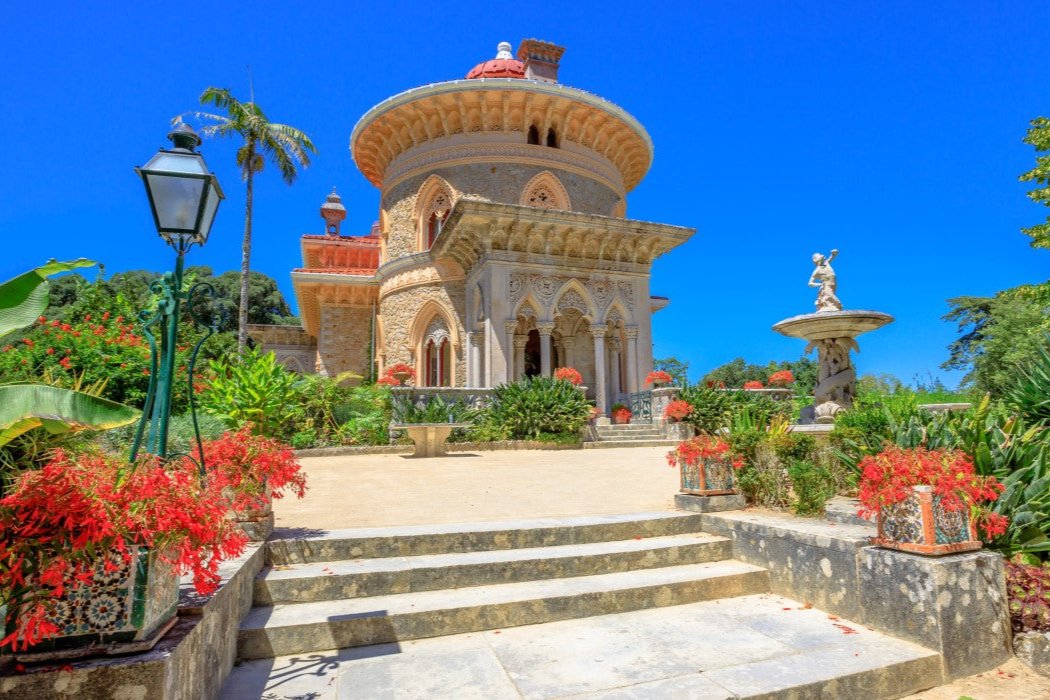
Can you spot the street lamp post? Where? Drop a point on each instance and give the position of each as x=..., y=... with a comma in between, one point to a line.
x=184, y=198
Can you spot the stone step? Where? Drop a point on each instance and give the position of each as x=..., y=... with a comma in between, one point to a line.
x=307, y=627
x=638, y=437
x=604, y=444
x=629, y=428
x=629, y=433
x=762, y=646
x=415, y=540
x=391, y=575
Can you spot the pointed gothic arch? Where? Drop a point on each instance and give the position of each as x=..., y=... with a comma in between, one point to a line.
x=434, y=336
x=617, y=311
x=574, y=295
x=433, y=204
x=545, y=191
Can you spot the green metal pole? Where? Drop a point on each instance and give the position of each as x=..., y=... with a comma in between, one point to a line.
x=161, y=417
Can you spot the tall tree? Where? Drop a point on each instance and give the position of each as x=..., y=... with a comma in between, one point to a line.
x=285, y=146
x=1038, y=137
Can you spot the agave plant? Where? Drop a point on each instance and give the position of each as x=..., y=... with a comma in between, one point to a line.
x=1030, y=394
x=536, y=405
x=435, y=410
x=27, y=406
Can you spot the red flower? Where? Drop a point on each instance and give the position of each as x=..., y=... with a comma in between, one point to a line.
x=50, y=351
x=753, y=385
x=677, y=410
x=64, y=362
x=692, y=452
x=105, y=316
x=27, y=341
x=388, y=381
x=87, y=317
x=658, y=376
x=781, y=378
x=42, y=319
x=569, y=375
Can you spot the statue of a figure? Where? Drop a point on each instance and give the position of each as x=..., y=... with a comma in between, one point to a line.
x=824, y=277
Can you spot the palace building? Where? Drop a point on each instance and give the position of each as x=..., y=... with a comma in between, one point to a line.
x=503, y=246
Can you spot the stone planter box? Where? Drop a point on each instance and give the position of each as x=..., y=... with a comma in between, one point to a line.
x=711, y=477
x=124, y=610
x=921, y=525
x=679, y=431
x=429, y=438
x=257, y=523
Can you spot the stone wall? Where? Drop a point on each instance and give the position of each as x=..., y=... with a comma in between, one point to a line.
x=344, y=340
x=497, y=182
x=399, y=309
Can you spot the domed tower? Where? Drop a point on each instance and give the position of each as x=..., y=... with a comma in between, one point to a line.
x=503, y=244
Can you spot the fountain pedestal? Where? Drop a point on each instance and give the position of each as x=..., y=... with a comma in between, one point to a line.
x=833, y=334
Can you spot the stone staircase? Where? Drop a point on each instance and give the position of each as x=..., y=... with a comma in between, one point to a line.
x=385, y=586
x=630, y=435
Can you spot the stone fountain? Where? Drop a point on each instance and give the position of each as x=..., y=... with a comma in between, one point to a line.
x=833, y=332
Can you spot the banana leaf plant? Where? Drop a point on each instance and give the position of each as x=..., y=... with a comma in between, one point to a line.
x=27, y=406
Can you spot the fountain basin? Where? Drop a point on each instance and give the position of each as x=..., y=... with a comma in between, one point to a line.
x=832, y=324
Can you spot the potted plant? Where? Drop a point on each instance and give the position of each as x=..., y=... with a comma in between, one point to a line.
x=928, y=501
x=706, y=466
x=752, y=385
x=621, y=415
x=781, y=379
x=401, y=372
x=252, y=470
x=91, y=548
x=677, y=410
x=570, y=375
x=658, y=378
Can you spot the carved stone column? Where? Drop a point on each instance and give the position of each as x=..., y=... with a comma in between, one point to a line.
x=600, y=393
x=474, y=370
x=510, y=326
x=567, y=358
x=545, y=329
x=520, y=341
x=614, y=368
x=632, y=358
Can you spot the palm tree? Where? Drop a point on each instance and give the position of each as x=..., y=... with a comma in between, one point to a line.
x=285, y=146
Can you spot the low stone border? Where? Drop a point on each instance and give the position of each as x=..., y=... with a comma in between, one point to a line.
x=955, y=604
x=193, y=660
x=351, y=450
x=1034, y=649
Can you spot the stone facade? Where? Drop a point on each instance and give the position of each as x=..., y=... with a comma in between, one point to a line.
x=501, y=248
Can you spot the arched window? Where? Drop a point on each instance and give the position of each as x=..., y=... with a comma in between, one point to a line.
x=438, y=357
x=552, y=138
x=534, y=136
x=434, y=225
x=545, y=191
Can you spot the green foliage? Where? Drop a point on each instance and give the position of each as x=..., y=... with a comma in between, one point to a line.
x=735, y=374
x=812, y=485
x=717, y=409
x=435, y=410
x=180, y=434
x=535, y=405
x=1030, y=393
x=23, y=298
x=1038, y=136
x=253, y=388
x=998, y=335
x=678, y=369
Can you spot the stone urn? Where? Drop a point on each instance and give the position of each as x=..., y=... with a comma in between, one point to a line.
x=920, y=524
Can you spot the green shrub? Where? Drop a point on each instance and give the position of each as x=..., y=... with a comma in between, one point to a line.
x=253, y=388
x=762, y=479
x=711, y=408
x=435, y=410
x=1030, y=394
x=180, y=434
x=812, y=485
x=536, y=405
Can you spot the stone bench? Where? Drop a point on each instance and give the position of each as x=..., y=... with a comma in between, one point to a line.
x=429, y=438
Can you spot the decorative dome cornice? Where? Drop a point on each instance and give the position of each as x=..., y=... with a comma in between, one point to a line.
x=423, y=114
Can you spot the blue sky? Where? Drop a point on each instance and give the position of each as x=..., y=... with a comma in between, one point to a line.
x=889, y=130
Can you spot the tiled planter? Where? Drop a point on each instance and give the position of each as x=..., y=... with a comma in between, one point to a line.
x=711, y=477
x=257, y=523
x=921, y=525
x=132, y=604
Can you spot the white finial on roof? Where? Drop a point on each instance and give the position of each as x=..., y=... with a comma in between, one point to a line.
x=503, y=50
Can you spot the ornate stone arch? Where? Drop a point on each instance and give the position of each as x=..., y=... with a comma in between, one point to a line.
x=574, y=295
x=434, y=323
x=433, y=204
x=545, y=191
x=529, y=307
x=617, y=313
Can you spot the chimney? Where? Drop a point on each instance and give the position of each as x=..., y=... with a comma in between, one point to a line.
x=333, y=212
x=541, y=59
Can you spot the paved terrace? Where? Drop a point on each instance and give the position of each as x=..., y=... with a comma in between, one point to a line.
x=390, y=490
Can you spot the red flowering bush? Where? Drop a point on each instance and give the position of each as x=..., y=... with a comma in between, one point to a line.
x=57, y=520
x=622, y=415
x=888, y=478
x=101, y=349
x=387, y=381
x=781, y=378
x=569, y=375
x=677, y=410
x=246, y=466
x=753, y=385
x=692, y=452
x=658, y=376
